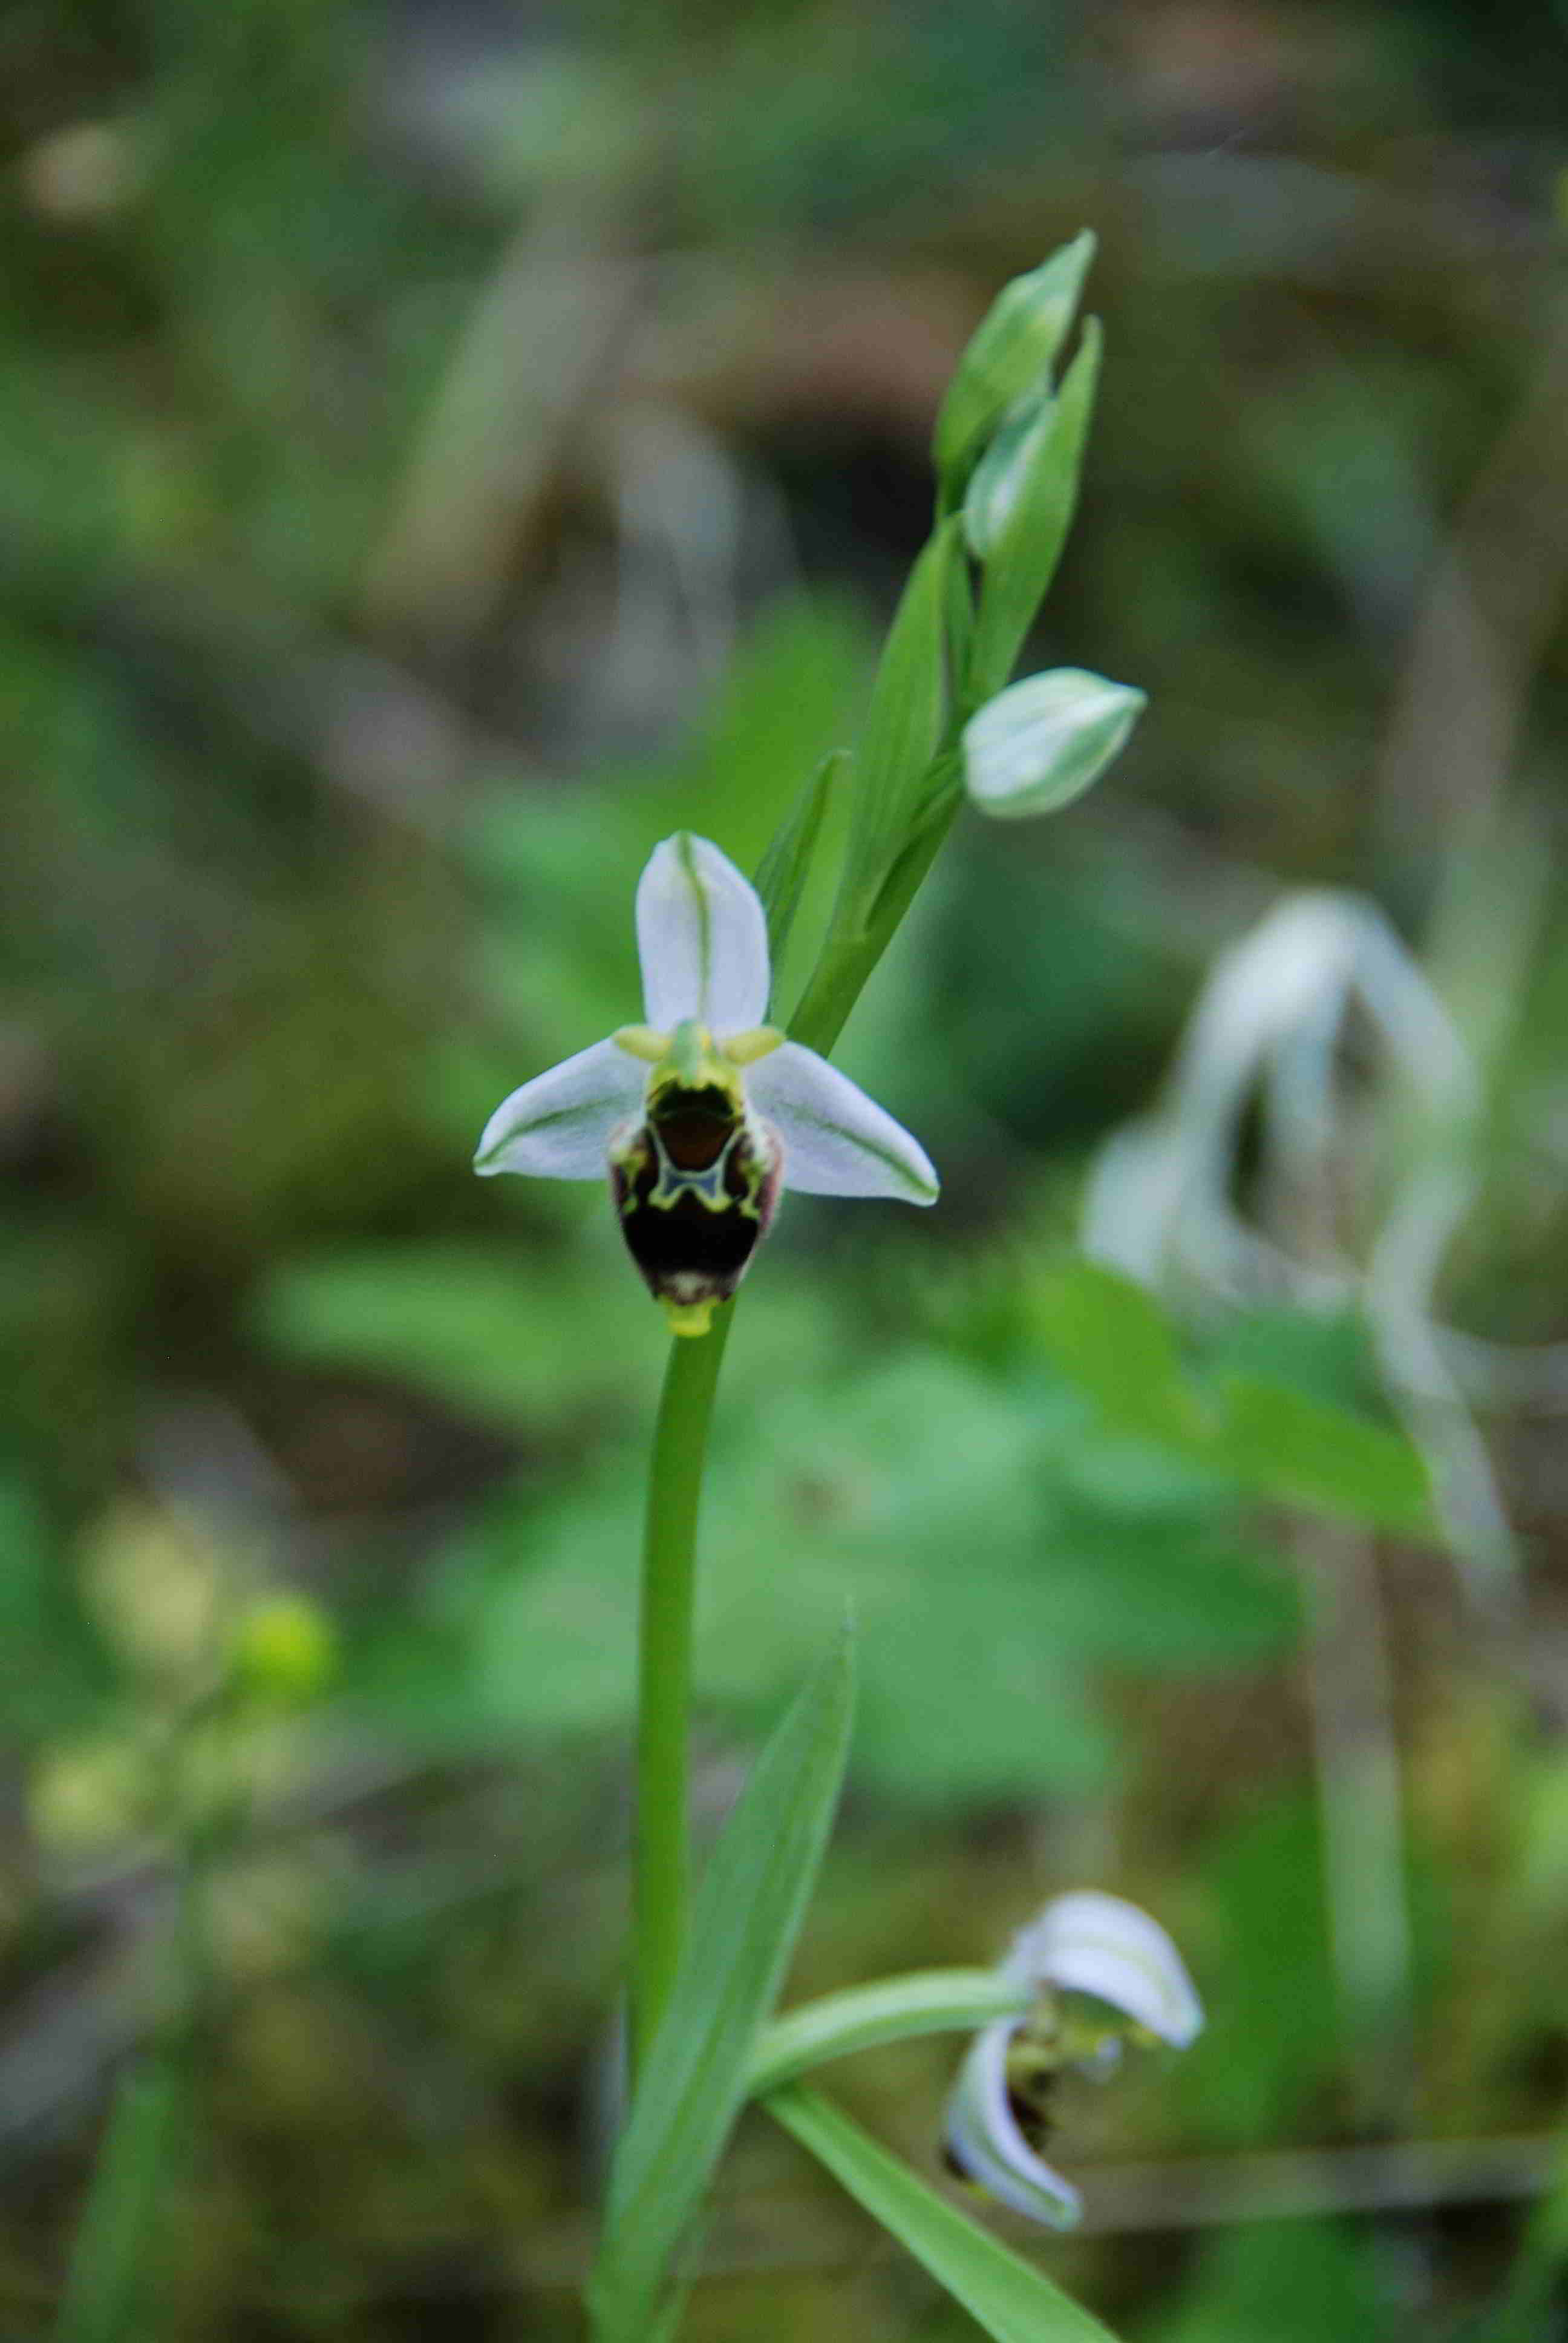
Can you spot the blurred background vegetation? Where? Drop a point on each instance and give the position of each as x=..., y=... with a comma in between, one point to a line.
x=442, y=449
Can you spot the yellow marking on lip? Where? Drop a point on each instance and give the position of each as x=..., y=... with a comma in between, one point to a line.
x=693, y=1062
x=689, y=1318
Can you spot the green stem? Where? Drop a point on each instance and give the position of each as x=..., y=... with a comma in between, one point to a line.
x=668, y=1586
x=663, y=1861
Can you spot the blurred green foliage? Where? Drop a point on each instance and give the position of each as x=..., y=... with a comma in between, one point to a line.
x=440, y=452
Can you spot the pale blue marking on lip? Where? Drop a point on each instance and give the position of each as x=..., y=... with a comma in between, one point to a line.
x=707, y=1186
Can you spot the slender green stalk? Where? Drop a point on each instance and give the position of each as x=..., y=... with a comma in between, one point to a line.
x=663, y=1861
x=112, y=2264
x=668, y=1588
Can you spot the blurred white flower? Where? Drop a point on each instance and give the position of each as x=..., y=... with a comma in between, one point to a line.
x=1268, y=1023
x=1135, y=1987
x=1269, y=1030
x=702, y=1115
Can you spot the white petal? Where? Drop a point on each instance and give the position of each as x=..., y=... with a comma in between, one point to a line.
x=1042, y=742
x=1090, y=1942
x=837, y=1141
x=702, y=938
x=982, y=2134
x=559, y=1126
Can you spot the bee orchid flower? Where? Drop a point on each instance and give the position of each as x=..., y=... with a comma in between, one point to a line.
x=1102, y=1973
x=703, y=1114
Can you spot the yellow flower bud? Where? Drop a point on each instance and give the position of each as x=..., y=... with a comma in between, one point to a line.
x=285, y=1649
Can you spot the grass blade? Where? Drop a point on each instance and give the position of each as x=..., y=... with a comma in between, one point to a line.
x=111, y=2262
x=782, y=874
x=1009, y=2298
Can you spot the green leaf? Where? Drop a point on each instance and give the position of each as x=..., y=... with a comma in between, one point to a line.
x=460, y=1321
x=1009, y=355
x=1269, y=1967
x=57, y=1668
x=747, y=1916
x=1299, y=2281
x=1032, y=506
x=904, y=722
x=1304, y=1452
x=1106, y=1333
x=1167, y=1596
x=960, y=622
x=784, y=869
x=1011, y=2299
x=111, y=2270
x=1042, y=742
x=934, y=2001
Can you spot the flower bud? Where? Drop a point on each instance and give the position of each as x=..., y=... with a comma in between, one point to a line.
x=1042, y=742
x=286, y=1650
x=1009, y=355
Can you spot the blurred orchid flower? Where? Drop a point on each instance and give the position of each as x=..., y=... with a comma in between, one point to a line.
x=1268, y=1033
x=1268, y=1025
x=702, y=1115
x=1082, y=1945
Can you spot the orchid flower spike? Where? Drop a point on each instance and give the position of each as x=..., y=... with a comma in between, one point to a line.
x=702, y=1115
x=1104, y=1973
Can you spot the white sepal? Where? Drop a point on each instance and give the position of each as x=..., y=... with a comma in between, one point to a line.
x=559, y=1126
x=837, y=1141
x=984, y=2136
x=1103, y=1946
x=1042, y=742
x=702, y=938
x=1083, y=1943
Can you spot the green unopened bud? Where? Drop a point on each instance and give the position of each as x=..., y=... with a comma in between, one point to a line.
x=1029, y=511
x=1043, y=741
x=1009, y=358
x=998, y=478
x=286, y=1650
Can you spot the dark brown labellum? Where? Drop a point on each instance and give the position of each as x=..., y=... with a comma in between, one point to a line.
x=695, y=1187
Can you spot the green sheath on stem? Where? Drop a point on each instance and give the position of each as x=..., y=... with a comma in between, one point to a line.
x=669, y=1583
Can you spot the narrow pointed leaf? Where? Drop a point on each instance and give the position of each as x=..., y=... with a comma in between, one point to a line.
x=112, y=2276
x=1037, y=514
x=747, y=1916
x=1009, y=354
x=786, y=867
x=934, y=2001
x=905, y=720
x=1011, y=2299
x=961, y=624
